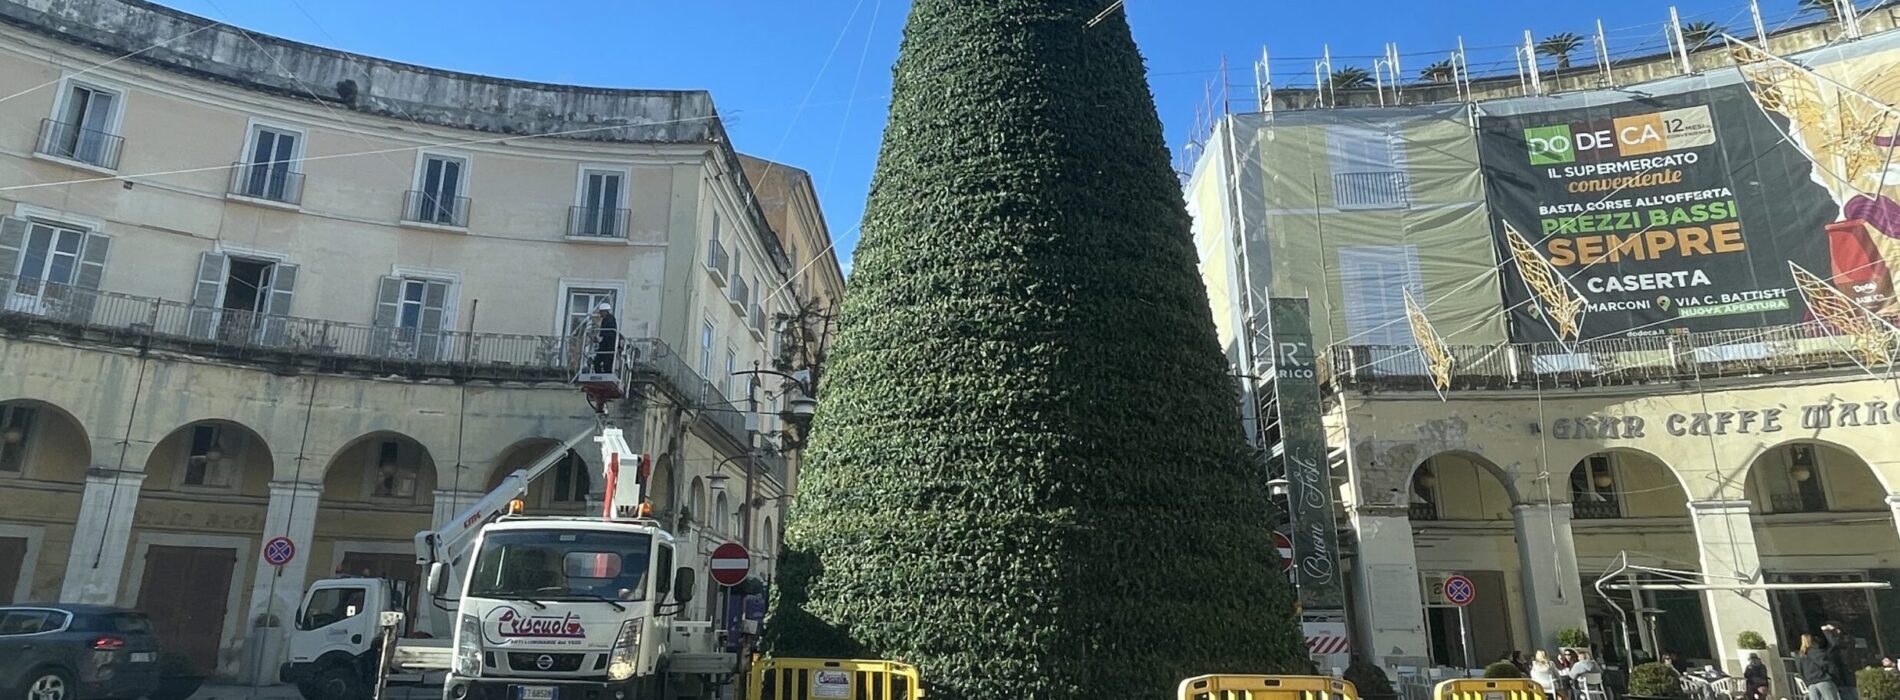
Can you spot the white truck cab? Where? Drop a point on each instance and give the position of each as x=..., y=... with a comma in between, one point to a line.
x=566, y=609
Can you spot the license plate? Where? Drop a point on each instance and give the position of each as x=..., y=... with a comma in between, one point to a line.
x=536, y=692
x=143, y=657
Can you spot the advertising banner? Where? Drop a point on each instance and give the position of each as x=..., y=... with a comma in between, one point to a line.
x=1663, y=212
x=1303, y=442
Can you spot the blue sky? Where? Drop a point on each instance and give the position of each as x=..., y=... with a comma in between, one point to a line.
x=807, y=81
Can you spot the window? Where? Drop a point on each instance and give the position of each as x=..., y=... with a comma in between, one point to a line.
x=234, y=294
x=663, y=574
x=722, y=514
x=82, y=127
x=438, y=197
x=1368, y=168
x=706, y=349
x=413, y=313
x=393, y=471
x=22, y=621
x=1424, y=500
x=581, y=302
x=725, y=380
x=1593, y=489
x=561, y=565
x=54, y=266
x=212, y=460
x=16, y=432
x=267, y=171
x=1374, y=280
x=330, y=606
x=737, y=263
x=572, y=484
x=1797, y=486
x=601, y=211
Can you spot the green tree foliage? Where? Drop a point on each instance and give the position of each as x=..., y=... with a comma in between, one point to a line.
x=1027, y=475
x=1440, y=72
x=1502, y=669
x=1351, y=78
x=1877, y=684
x=1560, y=46
x=1655, y=680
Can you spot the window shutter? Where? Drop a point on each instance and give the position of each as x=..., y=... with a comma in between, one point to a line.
x=12, y=239
x=434, y=304
x=204, y=294
x=283, y=283
x=92, y=261
x=388, y=302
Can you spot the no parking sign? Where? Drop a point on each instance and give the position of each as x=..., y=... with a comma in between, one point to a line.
x=279, y=551
x=1460, y=591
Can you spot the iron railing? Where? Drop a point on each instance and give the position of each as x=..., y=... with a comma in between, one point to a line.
x=1796, y=503
x=1606, y=362
x=1371, y=190
x=433, y=208
x=758, y=321
x=774, y=465
x=1422, y=511
x=1584, y=509
x=273, y=181
x=596, y=222
x=246, y=336
x=741, y=295
x=718, y=260
x=76, y=142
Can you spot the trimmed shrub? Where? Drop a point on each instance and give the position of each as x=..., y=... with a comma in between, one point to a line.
x=1573, y=638
x=1751, y=640
x=1655, y=680
x=1027, y=474
x=1369, y=680
x=1502, y=669
x=1878, y=684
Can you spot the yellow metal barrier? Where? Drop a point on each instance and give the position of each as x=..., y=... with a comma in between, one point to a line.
x=1267, y=688
x=1488, y=689
x=850, y=679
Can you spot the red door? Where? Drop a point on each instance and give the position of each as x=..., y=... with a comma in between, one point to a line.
x=12, y=559
x=184, y=592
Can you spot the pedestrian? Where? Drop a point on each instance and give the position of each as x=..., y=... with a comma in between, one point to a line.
x=1844, y=657
x=1676, y=665
x=1517, y=659
x=1887, y=664
x=609, y=340
x=1816, y=669
x=1755, y=675
x=1544, y=673
x=1583, y=670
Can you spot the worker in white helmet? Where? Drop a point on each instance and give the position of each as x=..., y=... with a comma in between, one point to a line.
x=609, y=339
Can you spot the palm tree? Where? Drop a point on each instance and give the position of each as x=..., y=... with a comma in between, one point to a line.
x=1350, y=78
x=1831, y=8
x=1695, y=34
x=1440, y=72
x=1560, y=46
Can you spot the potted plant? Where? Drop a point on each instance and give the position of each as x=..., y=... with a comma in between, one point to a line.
x=1878, y=684
x=1750, y=642
x=177, y=680
x=1655, y=681
x=1369, y=680
x=1502, y=669
x=1573, y=639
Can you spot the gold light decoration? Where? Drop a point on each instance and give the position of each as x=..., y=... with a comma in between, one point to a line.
x=1871, y=340
x=1836, y=127
x=1563, y=306
x=1437, y=354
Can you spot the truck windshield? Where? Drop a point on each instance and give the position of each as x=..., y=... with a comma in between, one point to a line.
x=562, y=565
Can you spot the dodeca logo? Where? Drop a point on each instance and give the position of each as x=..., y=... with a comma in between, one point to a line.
x=1549, y=145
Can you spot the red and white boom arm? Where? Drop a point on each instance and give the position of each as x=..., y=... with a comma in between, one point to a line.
x=627, y=476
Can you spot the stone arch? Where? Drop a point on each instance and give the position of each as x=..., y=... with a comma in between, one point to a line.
x=385, y=467
x=1620, y=482
x=1458, y=485
x=51, y=443
x=1807, y=474
x=566, y=485
x=211, y=455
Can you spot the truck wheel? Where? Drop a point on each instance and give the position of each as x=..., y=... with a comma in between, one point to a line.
x=334, y=683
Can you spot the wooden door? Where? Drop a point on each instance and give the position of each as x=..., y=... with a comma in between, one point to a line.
x=12, y=559
x=184, y=592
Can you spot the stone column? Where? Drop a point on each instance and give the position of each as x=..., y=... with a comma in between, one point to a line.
x=1547, y=560
x=102, y=537
x=1725, y=534
x=1390, y=620
x=1893, y=502
x=277, y=591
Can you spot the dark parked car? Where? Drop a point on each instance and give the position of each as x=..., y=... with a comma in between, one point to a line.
x=76, y=652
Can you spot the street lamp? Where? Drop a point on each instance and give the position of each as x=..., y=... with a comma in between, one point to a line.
x=801, y=407
x=1278, y=487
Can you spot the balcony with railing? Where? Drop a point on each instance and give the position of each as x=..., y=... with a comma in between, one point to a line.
x=1424, y=510
x=1667, y=358
x=596, y=222
x=741, y=296
x=1590, y=509
x=718, y=261
x=78, y=143
x=282, y=343
x=434, y=209
x=274, y=182
x=757, y=323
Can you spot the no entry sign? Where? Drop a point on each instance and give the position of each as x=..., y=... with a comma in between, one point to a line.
x=1285, y=547
x=730, y=564
x=1460, y=591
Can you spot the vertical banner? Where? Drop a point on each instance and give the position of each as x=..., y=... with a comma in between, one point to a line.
x=1303, y=439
